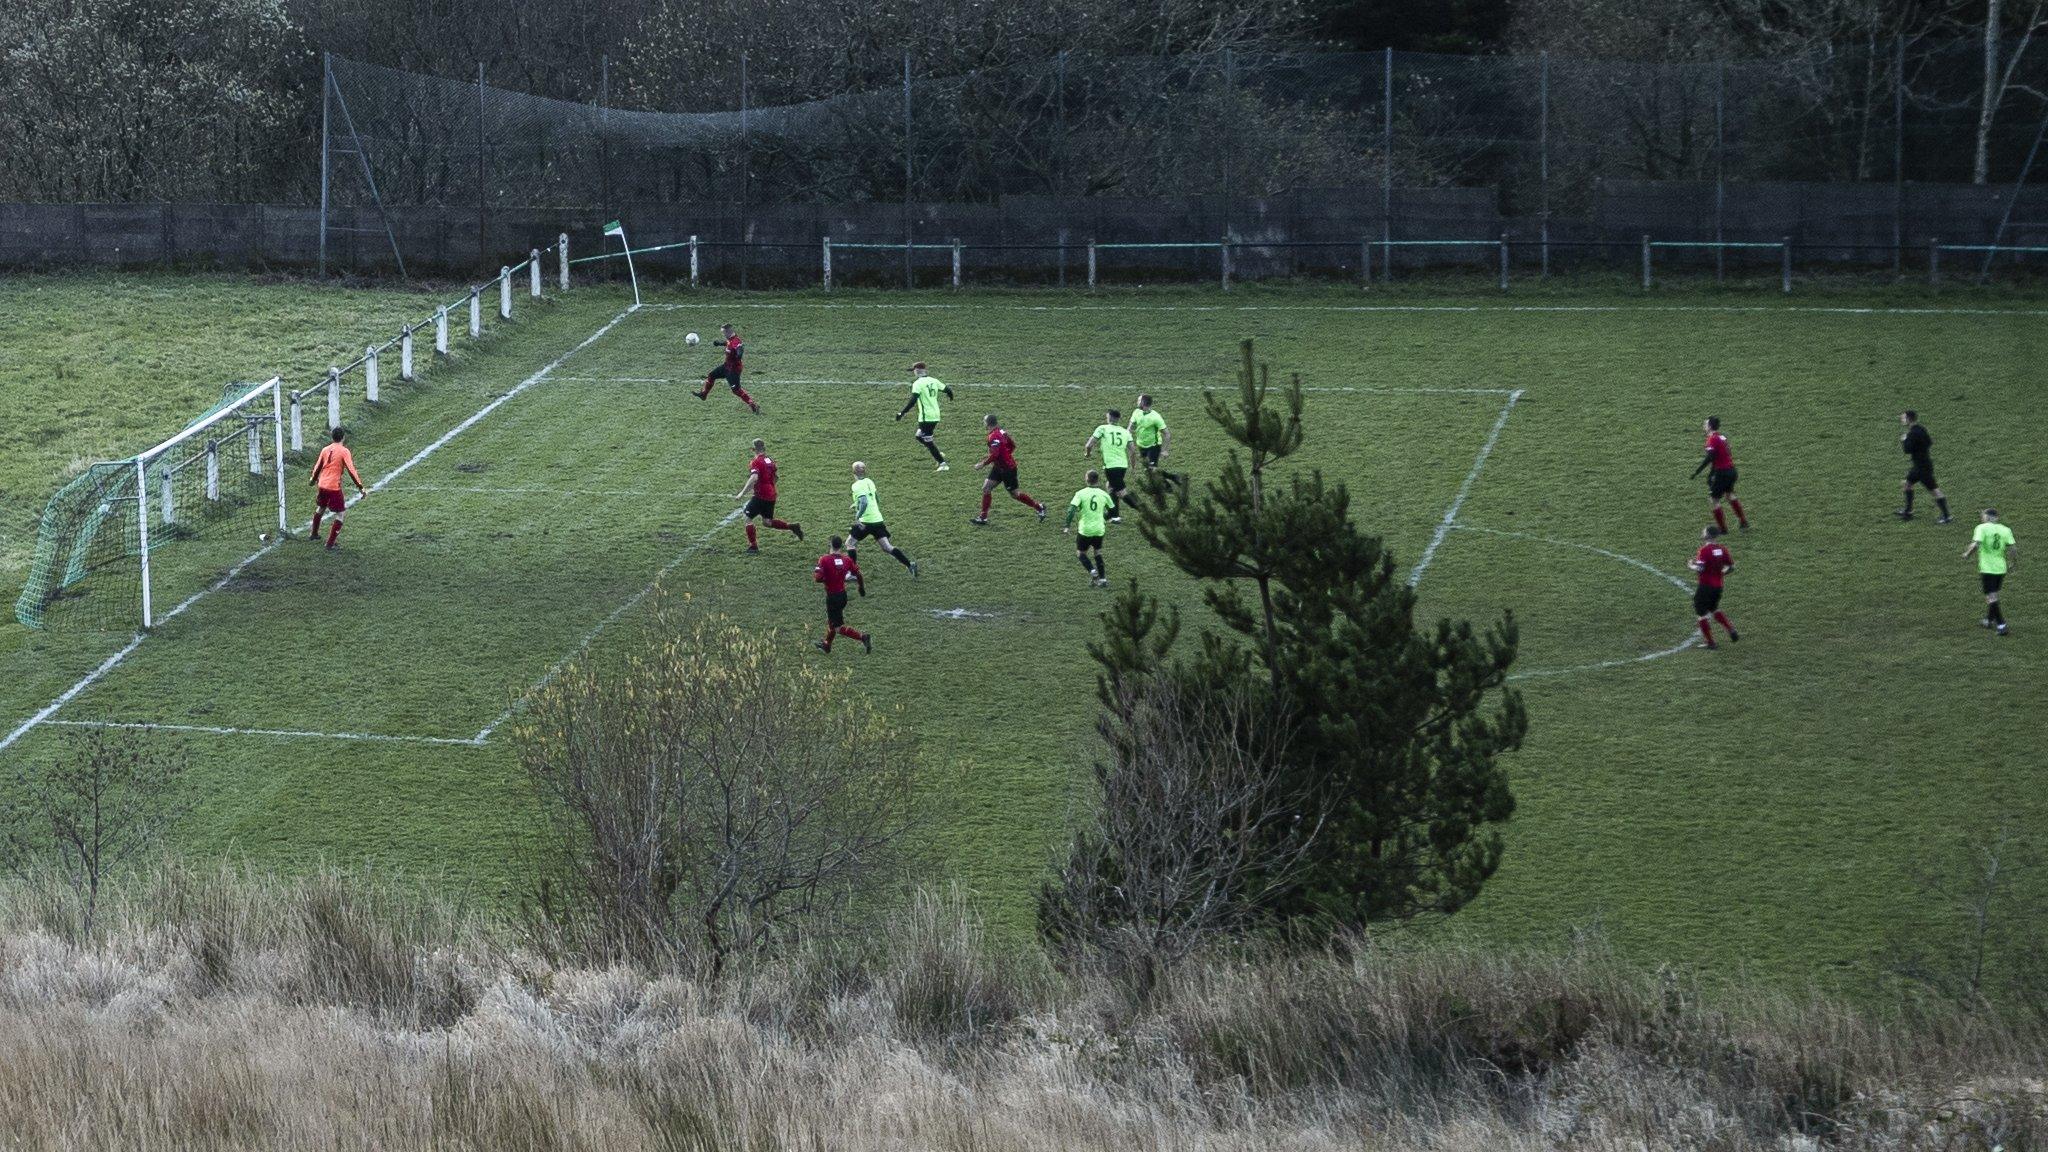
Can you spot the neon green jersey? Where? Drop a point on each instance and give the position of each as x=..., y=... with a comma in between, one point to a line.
x=927, y=389
x=1115, y=443
x=871, y=511
x=1148, y=425
x=1992, y=541
x=1093, y=505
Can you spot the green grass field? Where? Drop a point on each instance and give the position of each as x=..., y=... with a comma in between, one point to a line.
x=1760, y=808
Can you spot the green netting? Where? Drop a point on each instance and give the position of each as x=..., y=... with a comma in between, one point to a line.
x=88, y=529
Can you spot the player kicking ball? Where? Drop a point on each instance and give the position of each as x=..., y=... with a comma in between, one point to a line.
x=1996, y=551
x=1720, y=464
x=925, y=390
x=832, y=571
x=735, y=360
x=868, y=522
x=328, y=468
x=1713, y=563
x=1115, y=441
x=759, y=493
x=1091, y=507
x=1001, y=463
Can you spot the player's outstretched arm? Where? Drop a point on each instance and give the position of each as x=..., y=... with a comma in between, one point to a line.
x=907, y=406
x=946, y=390
x=746, y=488
x=1970, y=551
x=1702, y=465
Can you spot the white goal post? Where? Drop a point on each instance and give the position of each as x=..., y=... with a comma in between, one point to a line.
x=188, y=467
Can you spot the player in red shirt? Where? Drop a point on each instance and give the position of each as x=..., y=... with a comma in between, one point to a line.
x=1713, y=563
x=1720, y=464
x=730, y=370
x=1001, y=463
x=832, y=570
x=759, y=492
x=333, y=462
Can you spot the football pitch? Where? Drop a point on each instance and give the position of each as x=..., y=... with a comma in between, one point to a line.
x=1765, y=806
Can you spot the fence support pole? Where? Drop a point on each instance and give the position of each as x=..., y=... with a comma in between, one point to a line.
x=562, y=256
x=1063, y=231
x=1224, y=250
x=370, y=375
x=326, y=83
x=504, y=292
x=1720, y=171
x=1646, y=261
x=533, y=273
x=142, y=534
x=1898, y=160
x=1503, y=261
x=405, y=354
x=441, y=330
x=298, y=433
x=1091, y=264
x=333, y=398
x=828, y=263
x=1785, y=250
x=476, y=313
x=1543, y=152
x=1387, y=152
x=1933, y=261
x=693, y=259
x=956, y=262
x=1365, y=263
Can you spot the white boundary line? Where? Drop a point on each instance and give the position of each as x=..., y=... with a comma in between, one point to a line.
x=1450, y=519
x=535, y=490
x=1035, y=387
x=591, y=636
x=281, y=733
x=1733, y=309
x=42, y=717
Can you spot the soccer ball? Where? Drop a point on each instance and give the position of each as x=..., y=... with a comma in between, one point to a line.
x=263, y=537
x=691, y=339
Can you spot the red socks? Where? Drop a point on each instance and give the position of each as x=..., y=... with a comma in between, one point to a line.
x=779, y=525
x=1720, y=521
x=314, y=532
x=985, y=498
x=1025, y=499
x=751, y=541
x=1737, y=505
x=744, y=398
x=333, y=532
x=850, y=634
x=829, y=634
x=1707, y=630
x=1722, y=619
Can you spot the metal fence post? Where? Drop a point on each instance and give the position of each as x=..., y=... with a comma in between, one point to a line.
x=441, y=330
x=476, y=313
x=504, y=292
x=1365, y=263
x=1387, y=152
x=533, y=273
x=333, y=397
x=1785, y=248
x=1933, y=261
x=1720, y=171
x=1646, y=261
x=1091, y=264
x=1063, y=231
x=828, y=263
x=956, y=262
x=562, y=255
x=1223, y=249
x=405, y=353
x=1503, y=261
x=693, y=259
x=1543, y=151
x=298, y=432
x=370, y=374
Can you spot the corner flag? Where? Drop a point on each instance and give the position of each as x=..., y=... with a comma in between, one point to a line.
x=617, y=229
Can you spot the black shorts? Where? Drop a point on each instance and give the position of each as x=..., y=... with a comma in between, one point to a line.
x=727, y=373
x=1084, y=543
x=1150, y=455
x=835, y=608
x=759, y=507
x=925, y=428
x=1007, y=477
x=1721, y=482
x=1921, y=473
x=1992, y=581
x=862, y=530
x=1705, y=599
x=1116, y=478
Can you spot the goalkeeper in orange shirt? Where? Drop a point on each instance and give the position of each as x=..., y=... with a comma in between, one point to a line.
x=334, y=461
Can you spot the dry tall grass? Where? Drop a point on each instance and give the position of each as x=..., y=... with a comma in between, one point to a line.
x=220, y=1010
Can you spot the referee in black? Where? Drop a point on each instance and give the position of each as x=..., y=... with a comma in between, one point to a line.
x=1919, y=448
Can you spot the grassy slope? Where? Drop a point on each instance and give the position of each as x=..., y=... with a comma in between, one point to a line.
x=1759, y=807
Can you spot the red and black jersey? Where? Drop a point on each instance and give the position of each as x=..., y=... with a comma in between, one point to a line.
x=733, y=352
x=1720, y=457
x=764, y=477
x=833, y=570
x=1002, y=449
x=1714, y=563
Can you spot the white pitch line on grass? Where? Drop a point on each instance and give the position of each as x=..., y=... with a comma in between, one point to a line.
x=591, y=636
x=42, y=717
x=1029, y=386
x=1733, y=309
x=279, y=733
x=1443, y=528
x=536, y=490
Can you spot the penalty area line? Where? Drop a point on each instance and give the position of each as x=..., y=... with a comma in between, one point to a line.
x=1450, y=519
x=114, y=661
x=277, y=733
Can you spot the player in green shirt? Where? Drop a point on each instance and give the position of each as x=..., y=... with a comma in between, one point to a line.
x=1996, y=553
x=1091, y=505
x=1148, y=428
x=1115, y=441
x=867, y=521
x=925, y=391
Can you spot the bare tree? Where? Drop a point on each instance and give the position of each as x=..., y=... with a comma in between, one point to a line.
x=1982, y=941
x=1998, y=74
x=93, y=809
x=1194, y=832
x=712, y=791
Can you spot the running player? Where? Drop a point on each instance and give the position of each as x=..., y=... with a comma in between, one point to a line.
x=1148, y=429
x=1091, y=505
x=925, y=391
x=1713, y=564
x=759, y=493
x=729, y=371
x=328, y=468
x=867, y=520
x=1115, y=441
x=1996, y=553
x=1919, y=448
x=832, y=570
x=1001, y=463
x=1720, y=462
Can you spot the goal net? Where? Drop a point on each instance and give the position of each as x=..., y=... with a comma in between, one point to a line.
x=125, y=542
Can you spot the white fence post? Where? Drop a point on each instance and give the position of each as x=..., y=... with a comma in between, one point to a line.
x=170, y=500
x=213, y=471
x=1091, y=264
x=504, y=292
x=1224, y=250
x=405, y=353
x=693, y=259
x=533, y=274
x=956, y=262
x=142, y=534
x=298, y=436
x=370, y=375
x=1785, y=249
x=1646, y=261
x=476, y=313
x=255, y=438
x=562, y=250
x=333, y=398
x=441, y=330
x=828, y=263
